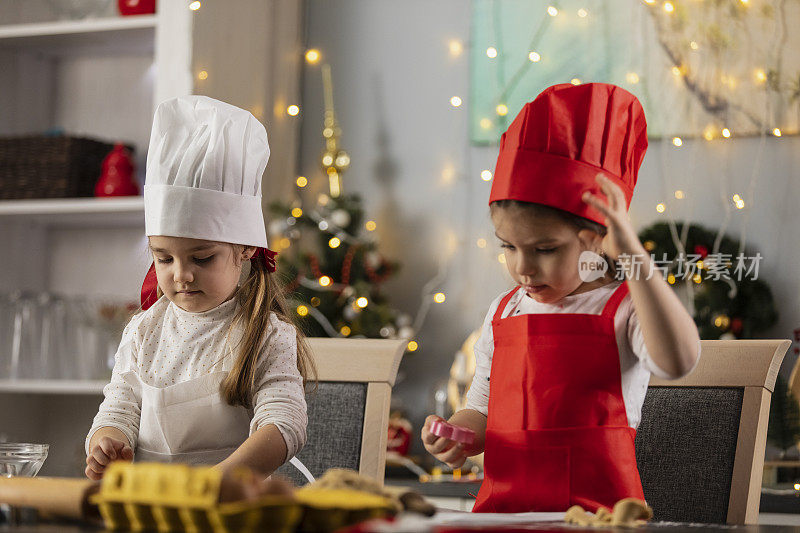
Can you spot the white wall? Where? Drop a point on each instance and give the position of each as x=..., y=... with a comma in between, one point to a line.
x=393, y=78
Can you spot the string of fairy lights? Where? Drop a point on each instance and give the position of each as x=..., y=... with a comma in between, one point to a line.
x=336, y=160
x=712, y=132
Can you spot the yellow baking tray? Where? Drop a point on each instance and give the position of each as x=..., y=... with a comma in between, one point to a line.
x=174, y=497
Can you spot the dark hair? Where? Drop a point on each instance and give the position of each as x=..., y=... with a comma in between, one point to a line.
x=545, y=210
x=541, y=210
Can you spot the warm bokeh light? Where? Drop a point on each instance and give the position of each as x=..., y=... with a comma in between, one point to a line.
x=325, y=281
x=534, y=57
x=362, y=302
x=334, y=242
x=297, y=212
x=202, y=75
x=302, y=310
x=312, y=55
x=491, y=52
x=661, y=208
x=486, y=175
x=194, y=6
x=439, y=297
x=302, y=181
x=370, y=225
x=413, y=346
x=455, y=101
x=502, y=109
x=677, y=141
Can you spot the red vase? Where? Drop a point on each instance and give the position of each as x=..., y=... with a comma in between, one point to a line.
x=116, y=178
x=136, y=7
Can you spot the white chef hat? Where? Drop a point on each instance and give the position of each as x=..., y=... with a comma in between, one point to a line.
x=204, y=169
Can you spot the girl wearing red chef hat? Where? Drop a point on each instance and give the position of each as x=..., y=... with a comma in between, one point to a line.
x=564, y=358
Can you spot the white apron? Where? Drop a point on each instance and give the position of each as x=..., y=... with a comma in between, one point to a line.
x=190, y=422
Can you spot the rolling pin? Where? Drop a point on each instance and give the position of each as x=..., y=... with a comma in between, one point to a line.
x=51, y=497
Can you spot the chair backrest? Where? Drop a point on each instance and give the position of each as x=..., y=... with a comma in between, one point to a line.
x=348, y=413
x=700, y=445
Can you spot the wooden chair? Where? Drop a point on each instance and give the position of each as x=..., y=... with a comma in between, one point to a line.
x=700, y=445
x=348, y=413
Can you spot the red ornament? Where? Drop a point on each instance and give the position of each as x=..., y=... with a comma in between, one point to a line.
x=116, y=178
x=701, y=250
x=136, y=7
x=399, y=435
x=736, y=326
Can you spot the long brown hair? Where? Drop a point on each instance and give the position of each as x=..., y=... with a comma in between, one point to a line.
x=259, y=296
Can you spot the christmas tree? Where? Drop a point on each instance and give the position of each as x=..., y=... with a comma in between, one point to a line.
x=329, y=257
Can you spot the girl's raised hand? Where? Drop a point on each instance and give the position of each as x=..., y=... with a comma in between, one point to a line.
x=104, y=452
x=447, y=451
x=621, y=237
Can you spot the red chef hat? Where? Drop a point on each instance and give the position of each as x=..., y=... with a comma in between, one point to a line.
x=558, y=143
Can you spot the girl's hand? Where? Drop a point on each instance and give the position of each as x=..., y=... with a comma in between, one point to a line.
x=447, y=451
x=104, y=452
x=620, y=237
x=244, y=484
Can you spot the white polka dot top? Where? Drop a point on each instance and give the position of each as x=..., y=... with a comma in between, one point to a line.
x=166, y=345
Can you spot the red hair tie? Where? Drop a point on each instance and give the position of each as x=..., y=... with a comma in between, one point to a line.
x=149, y=293
x=268, y=255
x=149, y=288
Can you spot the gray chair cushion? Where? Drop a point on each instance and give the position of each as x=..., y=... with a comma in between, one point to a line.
x=335, y=425
x=685, y=447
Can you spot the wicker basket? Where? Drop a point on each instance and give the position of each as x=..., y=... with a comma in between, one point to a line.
x=50, y=167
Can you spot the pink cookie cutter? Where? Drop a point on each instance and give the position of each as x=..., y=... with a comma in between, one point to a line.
x=460, y=434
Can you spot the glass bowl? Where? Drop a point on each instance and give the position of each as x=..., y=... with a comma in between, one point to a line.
x=21, y=459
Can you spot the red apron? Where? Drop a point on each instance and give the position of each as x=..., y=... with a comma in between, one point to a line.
x=557, y=433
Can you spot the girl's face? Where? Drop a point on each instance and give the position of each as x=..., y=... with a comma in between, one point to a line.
x=542, y=252
x=197, y=275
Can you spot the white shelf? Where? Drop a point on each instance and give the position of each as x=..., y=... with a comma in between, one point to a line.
x=133, y=33
x=51, y=386
x=114, y=211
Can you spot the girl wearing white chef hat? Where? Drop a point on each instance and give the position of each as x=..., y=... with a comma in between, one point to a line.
x=211, y=372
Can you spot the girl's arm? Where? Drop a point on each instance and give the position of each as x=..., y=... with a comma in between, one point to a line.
x=112, y=432
x=278, y=427
x=670, y=334
x=121, y=406
x=263, y=452
x=476, y=421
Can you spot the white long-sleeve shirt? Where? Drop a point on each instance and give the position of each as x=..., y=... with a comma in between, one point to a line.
x=166, y=345
x=635, y=363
